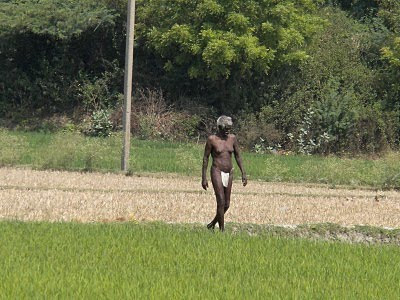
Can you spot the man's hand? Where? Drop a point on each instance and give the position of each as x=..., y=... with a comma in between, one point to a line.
x=244, y=180
x=204, y=184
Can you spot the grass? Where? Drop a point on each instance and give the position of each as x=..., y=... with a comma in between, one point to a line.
x=71, y=151
x=158, y=261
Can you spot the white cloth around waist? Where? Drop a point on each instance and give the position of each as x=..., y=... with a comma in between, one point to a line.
x=225, y=178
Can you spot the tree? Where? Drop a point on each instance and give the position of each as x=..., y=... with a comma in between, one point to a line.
x=392, y=53
x=223, y=45
x=48, y=45
x=60, y=19
x=390, y=12
x=338, y=89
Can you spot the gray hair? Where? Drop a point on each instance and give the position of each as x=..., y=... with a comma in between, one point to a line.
x=224, y=121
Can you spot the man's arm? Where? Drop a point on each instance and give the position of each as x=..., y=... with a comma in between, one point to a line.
x=207, y=152
x=238, y=158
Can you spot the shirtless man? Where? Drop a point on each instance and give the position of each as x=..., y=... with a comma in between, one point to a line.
x=221, y=146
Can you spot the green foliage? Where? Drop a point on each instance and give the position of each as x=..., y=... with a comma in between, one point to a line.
x=389, y=10
x=358, y=8
x=328, y=124
x=341, y=59
x=392, y=54
x=336, y=113
x=220, y=43
x=99, y=92
x=11, y=152
x=99, y=124
x=336, y=55
x=392, y=182
x=308, y=140
x=373, y=132
x=55, y=18
x=47, y=47
x=333, y=102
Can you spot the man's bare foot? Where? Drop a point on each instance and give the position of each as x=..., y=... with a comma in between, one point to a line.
x=211, y=226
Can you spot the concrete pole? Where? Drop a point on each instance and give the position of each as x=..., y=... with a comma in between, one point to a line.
x=130, y=34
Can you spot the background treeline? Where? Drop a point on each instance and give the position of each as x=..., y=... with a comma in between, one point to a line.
x=300, y=75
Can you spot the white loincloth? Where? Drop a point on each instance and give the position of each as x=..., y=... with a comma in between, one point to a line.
x=225, y=178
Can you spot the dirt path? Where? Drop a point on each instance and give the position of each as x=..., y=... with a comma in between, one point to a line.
x=86, y=197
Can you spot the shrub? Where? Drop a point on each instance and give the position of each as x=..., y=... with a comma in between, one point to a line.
x=308, y=139
x=328, y=122
x=337, y=123
x=100, y=92
x=257, y=131
x=99, y=124
x=371, y=135
x=334, y=103
x=153, y=118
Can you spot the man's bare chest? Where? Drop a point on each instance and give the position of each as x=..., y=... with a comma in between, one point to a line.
x=221, y=146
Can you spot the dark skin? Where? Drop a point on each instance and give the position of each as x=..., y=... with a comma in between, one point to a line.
x=221, y=146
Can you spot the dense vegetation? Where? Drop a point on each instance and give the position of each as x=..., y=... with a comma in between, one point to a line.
x=302, y=75
x=155, y=260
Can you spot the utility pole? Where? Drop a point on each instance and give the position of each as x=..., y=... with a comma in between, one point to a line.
x=130, y=34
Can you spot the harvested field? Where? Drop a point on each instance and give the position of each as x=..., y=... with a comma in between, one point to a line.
x=91, y=197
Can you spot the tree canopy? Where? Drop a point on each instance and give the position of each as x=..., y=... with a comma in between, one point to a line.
x=328, y=68
x=214, y=39
x=60, y=19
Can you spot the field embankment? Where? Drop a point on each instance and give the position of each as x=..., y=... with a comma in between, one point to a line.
x=32, y=195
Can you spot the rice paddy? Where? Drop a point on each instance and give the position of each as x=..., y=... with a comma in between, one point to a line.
x=88, y=235
x=158, y=261
x=107, y=235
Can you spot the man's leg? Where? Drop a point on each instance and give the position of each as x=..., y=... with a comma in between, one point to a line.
x=220, y=197
x=219, y=216
x=227, y=192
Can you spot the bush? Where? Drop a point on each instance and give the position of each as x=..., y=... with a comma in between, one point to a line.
x=334, y=102
x=153, y=118
x=100, y=92
x=372, y=131
x=41, y=123
x=99, y=124
x=328, y=123
x=309, y=139
x=257, y=131
x=338, y=124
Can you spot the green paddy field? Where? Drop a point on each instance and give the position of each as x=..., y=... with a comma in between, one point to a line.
x=159, y=261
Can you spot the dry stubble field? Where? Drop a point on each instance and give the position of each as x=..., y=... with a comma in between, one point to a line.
x=93, y=197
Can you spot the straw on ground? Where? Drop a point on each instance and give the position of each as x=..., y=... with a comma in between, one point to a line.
x=93, y=197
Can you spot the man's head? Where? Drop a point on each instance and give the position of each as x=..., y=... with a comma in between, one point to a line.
x=224, y=124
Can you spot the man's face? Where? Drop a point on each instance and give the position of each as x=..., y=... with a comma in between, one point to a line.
x=225, y=130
